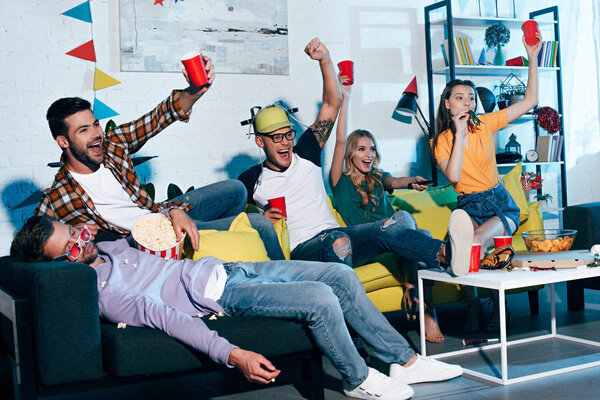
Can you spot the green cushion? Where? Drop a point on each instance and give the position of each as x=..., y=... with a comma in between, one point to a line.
x=64, y=314
x=135, y=351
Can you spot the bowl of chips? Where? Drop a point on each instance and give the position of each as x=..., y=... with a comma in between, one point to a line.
x=154, y=234
x=549, y=240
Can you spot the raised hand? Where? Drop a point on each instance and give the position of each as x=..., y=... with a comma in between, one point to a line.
x=346, y=88
x=533, y=51
x=316, y=50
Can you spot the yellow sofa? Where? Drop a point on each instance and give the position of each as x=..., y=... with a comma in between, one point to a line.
x=383, y=278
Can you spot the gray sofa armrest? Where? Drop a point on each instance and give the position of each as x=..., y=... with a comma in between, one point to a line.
x=63, y=303
x=586, y=219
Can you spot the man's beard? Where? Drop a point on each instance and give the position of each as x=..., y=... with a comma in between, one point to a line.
x=83, y=157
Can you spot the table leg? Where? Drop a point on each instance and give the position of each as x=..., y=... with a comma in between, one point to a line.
x=503, y=346
x=422, y=317
x=552, y=311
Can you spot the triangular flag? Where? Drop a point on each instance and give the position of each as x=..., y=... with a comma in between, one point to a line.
x=80, y=12
x=85, y=51
x=102, y=111
x=102, y=80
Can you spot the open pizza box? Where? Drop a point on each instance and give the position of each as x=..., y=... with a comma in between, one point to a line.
x=557, y=259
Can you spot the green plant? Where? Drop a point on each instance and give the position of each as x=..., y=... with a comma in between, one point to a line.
x=496, y=35
x=547, y=197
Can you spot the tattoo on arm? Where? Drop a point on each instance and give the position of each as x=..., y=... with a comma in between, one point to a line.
x=322, y=129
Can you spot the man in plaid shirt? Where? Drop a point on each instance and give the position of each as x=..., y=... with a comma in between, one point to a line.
x=97, y=185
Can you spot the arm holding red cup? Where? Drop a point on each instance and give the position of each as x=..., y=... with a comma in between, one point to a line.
x=531, y=94
x=190, y=95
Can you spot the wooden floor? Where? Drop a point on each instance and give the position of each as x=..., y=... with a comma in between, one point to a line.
x=527, y=358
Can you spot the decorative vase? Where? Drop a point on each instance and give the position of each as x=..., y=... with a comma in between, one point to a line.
x=499, y=58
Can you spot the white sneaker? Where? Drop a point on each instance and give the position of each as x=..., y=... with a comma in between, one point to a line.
x=460, y=233
x=379, y=386
x=424, y=370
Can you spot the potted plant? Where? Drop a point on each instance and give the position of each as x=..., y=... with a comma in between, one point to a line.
x=497, y=36
x=512, y=90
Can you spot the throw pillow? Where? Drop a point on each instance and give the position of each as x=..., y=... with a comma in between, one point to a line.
x=240, y=243
x=283, y=237
x=512, y=183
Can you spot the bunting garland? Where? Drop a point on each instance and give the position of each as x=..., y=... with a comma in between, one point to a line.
x=87, y=52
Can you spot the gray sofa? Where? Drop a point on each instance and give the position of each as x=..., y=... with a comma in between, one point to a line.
x=57, y=346
x=586, y=219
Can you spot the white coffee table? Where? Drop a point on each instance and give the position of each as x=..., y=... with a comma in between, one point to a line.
x=502, y=281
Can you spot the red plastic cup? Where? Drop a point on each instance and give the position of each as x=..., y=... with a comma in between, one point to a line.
x=279, y=202
x=475, y=257
x=502, y=240
x=194, y=65
x=347, y=69
x=530, y=28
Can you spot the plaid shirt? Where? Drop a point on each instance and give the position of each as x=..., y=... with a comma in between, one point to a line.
x=66, y=200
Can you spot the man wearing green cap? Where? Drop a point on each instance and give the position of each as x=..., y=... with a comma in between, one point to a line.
x=294, y=172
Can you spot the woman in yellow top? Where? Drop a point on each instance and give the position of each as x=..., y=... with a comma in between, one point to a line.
x=466, y=154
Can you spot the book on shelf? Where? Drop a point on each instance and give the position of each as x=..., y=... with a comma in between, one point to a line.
x=468, y=50
x=558, y=140
x=554, y=58
x=445, y=54
x=461, y=52
x=452, y=48
x=543, y=147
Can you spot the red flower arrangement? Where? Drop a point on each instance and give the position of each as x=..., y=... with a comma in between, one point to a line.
x=531, y=181
x=548, y=118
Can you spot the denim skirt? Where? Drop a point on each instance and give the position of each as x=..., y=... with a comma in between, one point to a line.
x=494, y=202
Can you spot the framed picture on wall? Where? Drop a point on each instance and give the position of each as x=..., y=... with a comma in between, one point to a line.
x=465, y=8
x=506, y=8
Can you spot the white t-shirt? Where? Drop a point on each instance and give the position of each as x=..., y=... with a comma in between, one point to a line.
x=301, y=184
x=110, y=199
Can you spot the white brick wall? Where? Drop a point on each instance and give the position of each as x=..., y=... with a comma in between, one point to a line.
x=384, y=38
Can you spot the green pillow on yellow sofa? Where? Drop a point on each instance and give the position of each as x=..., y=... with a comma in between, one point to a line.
x=240, y=243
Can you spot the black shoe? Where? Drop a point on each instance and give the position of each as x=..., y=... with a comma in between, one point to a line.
x=473, y=311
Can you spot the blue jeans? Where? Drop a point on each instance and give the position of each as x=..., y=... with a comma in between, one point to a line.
x=324, y=295
x=217, y=205
x=367, y=241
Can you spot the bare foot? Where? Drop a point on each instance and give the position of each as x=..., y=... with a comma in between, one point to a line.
x=433, y=333
x=411, y=302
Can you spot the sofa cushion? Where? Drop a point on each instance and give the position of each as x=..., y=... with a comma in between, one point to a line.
x=135, y=351
x=428, y=207
x=240, y=243
x=512, y=183
x=64, y=317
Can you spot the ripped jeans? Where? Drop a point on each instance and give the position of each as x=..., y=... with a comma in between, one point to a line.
x=355, y=245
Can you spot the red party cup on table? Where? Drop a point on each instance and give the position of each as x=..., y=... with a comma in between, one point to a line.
x=279, y=202
x=502, y=240
x=530, y=28
x=347, y=69
x=475, y=257
x=194, y=65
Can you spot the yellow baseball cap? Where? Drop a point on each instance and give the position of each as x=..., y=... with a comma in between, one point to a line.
x=270, y=119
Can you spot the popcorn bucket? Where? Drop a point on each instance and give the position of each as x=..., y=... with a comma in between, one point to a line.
x=154, y=234
x=174, y=252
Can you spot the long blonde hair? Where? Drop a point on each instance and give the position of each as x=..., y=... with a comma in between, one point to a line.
x=373, y=178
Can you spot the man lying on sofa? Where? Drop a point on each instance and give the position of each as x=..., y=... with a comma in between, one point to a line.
x=140, y=289
x=97, y=185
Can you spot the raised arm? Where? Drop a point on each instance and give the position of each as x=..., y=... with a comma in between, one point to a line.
x=337, y=164
x=190, y=95
x=531, y=94
x=331, y=92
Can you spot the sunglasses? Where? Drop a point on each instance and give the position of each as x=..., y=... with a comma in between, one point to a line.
x=278, y=137
x=76, y=249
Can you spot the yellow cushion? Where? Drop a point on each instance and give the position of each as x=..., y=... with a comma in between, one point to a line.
x=335, y=213
x=283, y=237
x=512, y=183
x=430, y=208
x=240, y=243
x=534, y=222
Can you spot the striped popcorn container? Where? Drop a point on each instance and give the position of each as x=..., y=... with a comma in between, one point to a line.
x=174, y=252
x=154, y=234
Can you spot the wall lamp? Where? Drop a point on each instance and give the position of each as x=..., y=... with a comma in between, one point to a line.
x=407, y=107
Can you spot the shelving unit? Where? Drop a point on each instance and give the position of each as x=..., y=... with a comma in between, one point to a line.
x=549, y=20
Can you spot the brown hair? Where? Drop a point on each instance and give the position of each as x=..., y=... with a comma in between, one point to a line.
x=29, y=242
x=443, y=120
x=373, y=177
